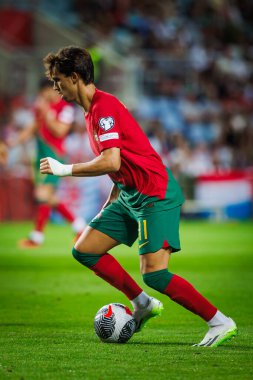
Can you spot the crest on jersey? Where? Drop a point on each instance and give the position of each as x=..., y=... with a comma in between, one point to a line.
x=106, y=123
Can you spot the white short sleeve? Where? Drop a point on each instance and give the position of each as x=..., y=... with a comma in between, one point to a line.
x=66, y=115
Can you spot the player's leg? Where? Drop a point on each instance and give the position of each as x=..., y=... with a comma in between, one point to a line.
x=91, y=250
x=154, y=268
x=106, y=231
x=157, y=276
x=46, y=198
x=78, y=223
x=43, y=193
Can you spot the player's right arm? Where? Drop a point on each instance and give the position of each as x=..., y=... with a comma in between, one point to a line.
x=109, y=161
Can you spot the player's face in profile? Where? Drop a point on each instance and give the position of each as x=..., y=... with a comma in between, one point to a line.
x=64, y=86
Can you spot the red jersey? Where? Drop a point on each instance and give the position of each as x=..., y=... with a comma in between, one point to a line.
x=142, y=172
x=64, y=113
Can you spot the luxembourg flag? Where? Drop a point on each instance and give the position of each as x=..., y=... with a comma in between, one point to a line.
x=227, y=195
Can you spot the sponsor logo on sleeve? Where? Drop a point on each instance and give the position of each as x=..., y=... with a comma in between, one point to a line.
x=106, y=123
x=109, y=136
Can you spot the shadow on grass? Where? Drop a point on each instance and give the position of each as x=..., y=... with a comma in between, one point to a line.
x=12, y=324
x=196, y=350
x=160, y=343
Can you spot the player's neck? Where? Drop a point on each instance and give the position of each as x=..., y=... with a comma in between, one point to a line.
x=85, y=97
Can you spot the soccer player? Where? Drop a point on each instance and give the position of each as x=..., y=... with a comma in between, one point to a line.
x=144, y=202
x=52, y=122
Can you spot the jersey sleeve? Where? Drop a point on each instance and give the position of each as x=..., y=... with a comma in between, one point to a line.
x=66, y=114
x=107, y=126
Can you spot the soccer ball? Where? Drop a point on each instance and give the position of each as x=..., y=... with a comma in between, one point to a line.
x=114, y=323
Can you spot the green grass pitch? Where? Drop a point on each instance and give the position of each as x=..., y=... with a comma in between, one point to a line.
x=48, y=302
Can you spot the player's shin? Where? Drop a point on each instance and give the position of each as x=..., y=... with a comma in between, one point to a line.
x=63, y=210
x=107, y=267
x=181, y=292
x=42, y=216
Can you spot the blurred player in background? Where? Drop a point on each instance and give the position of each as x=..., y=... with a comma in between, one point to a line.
x=53, y=118
x=144, y=202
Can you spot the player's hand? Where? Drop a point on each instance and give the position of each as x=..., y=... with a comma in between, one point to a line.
x=45, y=167
x=49, y=165
x=42, y=105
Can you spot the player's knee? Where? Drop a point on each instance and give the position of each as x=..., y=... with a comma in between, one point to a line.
x=86, y=259
x=158, y=280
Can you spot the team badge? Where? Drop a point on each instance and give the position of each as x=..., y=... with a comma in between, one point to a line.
x=106, y=123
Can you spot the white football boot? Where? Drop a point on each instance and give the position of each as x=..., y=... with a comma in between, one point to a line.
x=219, y=334
x=142, y=315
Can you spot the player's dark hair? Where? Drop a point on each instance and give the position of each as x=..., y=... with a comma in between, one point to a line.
x=69, y=60
x=44, y=83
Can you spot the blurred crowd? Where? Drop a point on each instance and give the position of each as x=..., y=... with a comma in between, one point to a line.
x=194, y=77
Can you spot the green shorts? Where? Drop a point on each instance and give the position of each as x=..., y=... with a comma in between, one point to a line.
x=154, y=230
x=44, y=150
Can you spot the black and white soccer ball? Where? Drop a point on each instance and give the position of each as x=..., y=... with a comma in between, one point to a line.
x=114, y=323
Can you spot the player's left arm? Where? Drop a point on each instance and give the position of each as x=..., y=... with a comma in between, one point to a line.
x=58, y=128
x=109, y=161
x=61, y=124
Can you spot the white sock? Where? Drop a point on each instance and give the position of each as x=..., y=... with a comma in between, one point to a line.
x=140, y=301
x=79, y=224
x=37, y=237
x=218, y=319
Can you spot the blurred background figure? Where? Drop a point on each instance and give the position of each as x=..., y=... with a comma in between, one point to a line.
x=184, y=69
x=53, y=118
